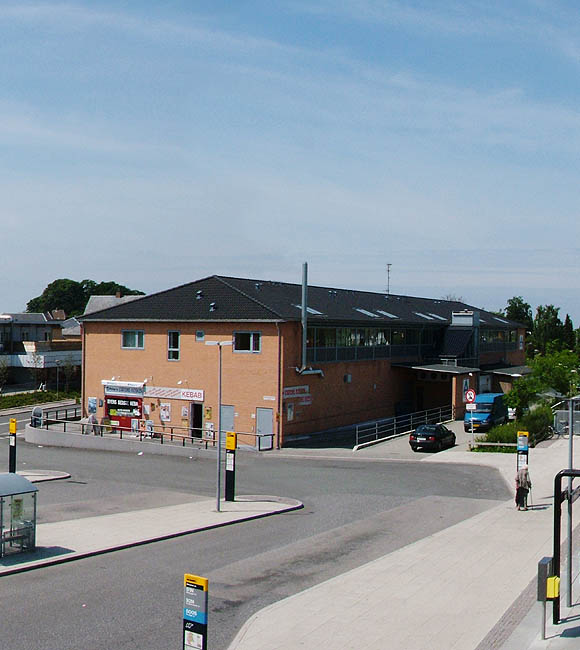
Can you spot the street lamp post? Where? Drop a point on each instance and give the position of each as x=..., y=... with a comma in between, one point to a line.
x=220, y=344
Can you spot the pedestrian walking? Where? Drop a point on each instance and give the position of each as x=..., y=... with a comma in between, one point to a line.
x=523, y=486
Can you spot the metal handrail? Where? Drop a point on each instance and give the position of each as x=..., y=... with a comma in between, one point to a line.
x=158, y=433
x=393, y=427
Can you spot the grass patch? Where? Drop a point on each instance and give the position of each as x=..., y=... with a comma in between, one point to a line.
x=497, y=450
x=37, y=397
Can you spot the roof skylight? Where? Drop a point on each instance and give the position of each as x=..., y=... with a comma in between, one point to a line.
x=310, y=310
x=437, y=316
x=386, y=313
x=365, y=312
x=501, y=320
x=418, y=313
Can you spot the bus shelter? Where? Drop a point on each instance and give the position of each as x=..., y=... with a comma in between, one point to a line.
x=17, y=514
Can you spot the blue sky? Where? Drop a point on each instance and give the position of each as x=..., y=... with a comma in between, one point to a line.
x=154, y=143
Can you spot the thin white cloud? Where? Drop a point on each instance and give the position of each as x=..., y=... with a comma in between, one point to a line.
x=552, y=25
x=67, y=17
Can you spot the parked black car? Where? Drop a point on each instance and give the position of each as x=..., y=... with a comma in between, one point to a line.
x=431, y=436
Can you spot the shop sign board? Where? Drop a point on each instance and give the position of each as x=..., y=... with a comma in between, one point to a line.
x=295, y=391
x=129, y=388
x=191, y=394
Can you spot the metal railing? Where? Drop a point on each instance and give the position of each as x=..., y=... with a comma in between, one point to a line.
x=401, y=424
x=176, y=435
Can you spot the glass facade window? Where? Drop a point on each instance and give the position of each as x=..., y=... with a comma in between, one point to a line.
x=247, y=342
x=173, y=346
x=133, y=339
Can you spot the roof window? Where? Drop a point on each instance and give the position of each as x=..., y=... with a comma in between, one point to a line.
x=365, y=312
x=310, y=310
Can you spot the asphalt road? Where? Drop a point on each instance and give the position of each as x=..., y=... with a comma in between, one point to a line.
x=355, y=511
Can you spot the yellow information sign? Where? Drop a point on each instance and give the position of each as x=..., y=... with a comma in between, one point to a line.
x=12, y=425
x=189, y=580
x=553, y=587
x=231, y=440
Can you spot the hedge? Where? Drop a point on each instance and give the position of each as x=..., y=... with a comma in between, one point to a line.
x=37, y=397
x=536, y=423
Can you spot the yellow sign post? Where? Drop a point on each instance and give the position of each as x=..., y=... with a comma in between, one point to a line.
x=195, y=597
x=231, y=444
x=12, y=452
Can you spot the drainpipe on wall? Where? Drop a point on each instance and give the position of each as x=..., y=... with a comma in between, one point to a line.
x=279, y=404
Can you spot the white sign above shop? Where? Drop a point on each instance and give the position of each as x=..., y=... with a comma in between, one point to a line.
x=190, y=394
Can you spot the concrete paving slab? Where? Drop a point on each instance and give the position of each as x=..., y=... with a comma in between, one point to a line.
x=64, y=541
x=472, y=571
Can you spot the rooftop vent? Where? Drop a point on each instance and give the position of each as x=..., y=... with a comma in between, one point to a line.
x=199, y=295
x=258, y=286
x=212, y=306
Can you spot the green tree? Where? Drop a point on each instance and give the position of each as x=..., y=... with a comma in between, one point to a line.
x=72, y=296
x=548, y=329
x=556, y=369
x=523, y=393
x=61, y=294
x=520, y=311
x=568, y=335
x=4, y=371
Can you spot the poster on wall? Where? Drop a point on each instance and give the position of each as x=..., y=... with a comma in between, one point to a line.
x=465, y=386
x=92, y=404
x=165, y=412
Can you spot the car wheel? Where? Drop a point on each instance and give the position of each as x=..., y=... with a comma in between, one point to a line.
x=439, y=446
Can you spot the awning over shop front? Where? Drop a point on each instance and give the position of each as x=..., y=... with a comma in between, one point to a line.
x=441, y=367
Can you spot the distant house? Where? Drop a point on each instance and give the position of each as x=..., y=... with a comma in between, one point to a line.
x=367, y=355
x=32, y=345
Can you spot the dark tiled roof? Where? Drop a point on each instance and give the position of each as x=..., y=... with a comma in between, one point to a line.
x=240, y=299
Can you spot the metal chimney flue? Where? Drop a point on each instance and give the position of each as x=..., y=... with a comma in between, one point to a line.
x=304, y=305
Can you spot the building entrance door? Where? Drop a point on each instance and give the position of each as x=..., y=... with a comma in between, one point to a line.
x=196, y=419
x=265, y=424
x=227, y=418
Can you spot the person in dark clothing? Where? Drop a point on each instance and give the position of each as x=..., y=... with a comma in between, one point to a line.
x=523, y=485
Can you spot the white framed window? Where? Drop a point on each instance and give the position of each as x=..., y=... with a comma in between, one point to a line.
x=247, y=342
x=173, y=345
x=132, y=339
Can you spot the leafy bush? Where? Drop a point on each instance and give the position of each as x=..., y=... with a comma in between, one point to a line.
x=506, y=433
x=38, y=397
x=536, y=423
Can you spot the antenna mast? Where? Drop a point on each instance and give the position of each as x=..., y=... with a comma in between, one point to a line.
x=388, y=279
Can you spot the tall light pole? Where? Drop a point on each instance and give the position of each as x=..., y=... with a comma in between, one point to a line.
x=220, y=344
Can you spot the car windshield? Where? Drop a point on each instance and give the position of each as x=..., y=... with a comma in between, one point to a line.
x=483, y=408
x=426, y=429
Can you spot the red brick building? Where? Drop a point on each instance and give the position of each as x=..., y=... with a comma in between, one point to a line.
x=368, y=355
